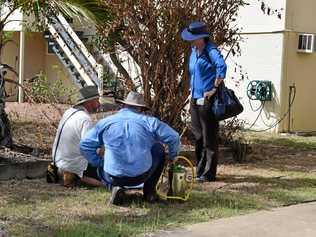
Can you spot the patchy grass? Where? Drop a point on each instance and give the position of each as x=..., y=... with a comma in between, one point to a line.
x=33, y=208
x=292, y=141
x=277, y=173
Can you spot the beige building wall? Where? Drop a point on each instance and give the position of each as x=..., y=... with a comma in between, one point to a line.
x=10, y=56
x=37, y=60
x=34, y=55
x=54, y=69
x=299, y=68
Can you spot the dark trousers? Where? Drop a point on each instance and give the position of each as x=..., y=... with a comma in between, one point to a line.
x=205, y=129
x=91, y=172
x=149, y=178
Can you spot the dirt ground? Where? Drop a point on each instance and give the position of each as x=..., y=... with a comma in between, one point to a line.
x=35, y=125
x=266, y=156
x=39, y=135
x=275, y=157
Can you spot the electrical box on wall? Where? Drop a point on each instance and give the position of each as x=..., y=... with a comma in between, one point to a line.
x=260, y=90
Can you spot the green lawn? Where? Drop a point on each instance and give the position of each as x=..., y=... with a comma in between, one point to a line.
x=274, y=175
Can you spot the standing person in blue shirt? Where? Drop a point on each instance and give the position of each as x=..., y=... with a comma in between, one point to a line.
x=207, y=70
x=133, y=148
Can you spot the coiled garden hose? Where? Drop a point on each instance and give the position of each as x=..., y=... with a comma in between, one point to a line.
x=166, y=176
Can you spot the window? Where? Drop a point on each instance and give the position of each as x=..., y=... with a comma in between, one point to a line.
x=306, y=43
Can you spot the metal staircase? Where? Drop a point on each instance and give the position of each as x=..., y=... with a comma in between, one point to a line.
x=81, y=65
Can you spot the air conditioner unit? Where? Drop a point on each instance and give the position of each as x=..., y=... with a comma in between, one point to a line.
x=306, y=43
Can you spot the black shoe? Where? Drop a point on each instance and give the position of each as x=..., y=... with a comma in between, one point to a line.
x=203, y=179
x=117, y=196
x=154, y=198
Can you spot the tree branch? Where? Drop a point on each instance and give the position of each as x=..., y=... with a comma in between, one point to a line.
x=128, y=80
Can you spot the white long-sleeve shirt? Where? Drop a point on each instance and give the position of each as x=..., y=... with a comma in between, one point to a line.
x=68, y=157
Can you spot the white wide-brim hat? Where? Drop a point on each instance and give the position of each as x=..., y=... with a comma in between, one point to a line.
x=134, y=99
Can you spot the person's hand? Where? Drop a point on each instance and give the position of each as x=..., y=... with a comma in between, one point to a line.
x=210, y=93
x=101, y=151
x=218, y=81
x=171, y=162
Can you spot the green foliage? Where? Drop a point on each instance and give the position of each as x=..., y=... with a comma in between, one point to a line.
x=7, y=35
x=112, y=85
x=89, y=9
x=40, y=90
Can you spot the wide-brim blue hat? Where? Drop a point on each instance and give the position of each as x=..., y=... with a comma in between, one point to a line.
x=196, y=30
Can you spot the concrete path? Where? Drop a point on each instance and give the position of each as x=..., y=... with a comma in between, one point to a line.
x=294, y=221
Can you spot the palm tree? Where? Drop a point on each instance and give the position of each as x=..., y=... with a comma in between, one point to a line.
x=91, y=10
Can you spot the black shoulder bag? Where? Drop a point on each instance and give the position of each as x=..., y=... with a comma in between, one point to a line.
x=226, y=104
x=52, y=169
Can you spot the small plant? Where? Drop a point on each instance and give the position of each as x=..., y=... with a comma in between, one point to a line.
x=40, y=90
x=231, y=130
x=231, y=135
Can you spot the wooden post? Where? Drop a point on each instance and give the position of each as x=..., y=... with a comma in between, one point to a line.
x=21, y=65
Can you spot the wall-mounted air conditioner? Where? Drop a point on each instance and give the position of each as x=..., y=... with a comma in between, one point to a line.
x=306, y=43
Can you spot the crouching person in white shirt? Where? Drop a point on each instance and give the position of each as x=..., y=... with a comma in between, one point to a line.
x=76, y=121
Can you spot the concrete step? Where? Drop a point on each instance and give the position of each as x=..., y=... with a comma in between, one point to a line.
x=23, y=170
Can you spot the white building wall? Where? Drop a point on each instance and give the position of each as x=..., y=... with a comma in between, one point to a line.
x=261, y=59
x=252, y=19
x=15, y=20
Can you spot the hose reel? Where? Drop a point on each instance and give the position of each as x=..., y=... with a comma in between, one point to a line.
x=260, y=90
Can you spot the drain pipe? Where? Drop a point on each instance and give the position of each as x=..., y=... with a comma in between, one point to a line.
x=290, y=107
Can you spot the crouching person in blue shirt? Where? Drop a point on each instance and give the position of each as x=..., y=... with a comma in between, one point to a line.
x=134, y=153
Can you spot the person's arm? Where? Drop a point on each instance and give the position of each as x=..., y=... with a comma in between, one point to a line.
x=86, y=125
x=89, y=145
x=220, y=65
x=91, y=181
x=167, y=135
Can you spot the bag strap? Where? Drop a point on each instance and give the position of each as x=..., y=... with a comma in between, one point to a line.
x=59, y=135
x=206, y=53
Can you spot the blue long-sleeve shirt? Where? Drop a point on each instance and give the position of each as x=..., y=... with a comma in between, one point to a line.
x=128, y=137
x=205, y=69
